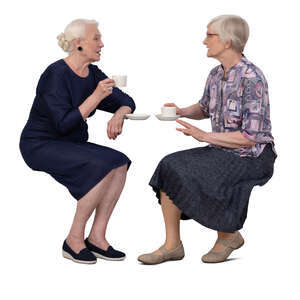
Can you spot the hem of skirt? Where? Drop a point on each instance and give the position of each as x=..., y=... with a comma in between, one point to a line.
x=95, y=182
x=179, y=204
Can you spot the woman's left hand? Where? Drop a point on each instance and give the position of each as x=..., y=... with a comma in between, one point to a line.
x=193, y=131
x=114, y=126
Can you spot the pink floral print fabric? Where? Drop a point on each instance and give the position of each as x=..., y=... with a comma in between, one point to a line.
x=239, y=101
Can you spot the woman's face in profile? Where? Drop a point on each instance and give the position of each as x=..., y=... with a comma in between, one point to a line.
x=213, y=43
x=92, y=43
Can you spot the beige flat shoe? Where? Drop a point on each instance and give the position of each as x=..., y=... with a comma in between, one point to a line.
x=165, y=255
x=220, y=256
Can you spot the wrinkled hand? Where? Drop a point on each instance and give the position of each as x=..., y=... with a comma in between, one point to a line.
x=114, y=126
x=178, y=110
x=104, y=88
x=193, y=131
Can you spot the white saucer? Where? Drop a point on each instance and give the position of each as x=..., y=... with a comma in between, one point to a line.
x=164, y=118
x=137, y=116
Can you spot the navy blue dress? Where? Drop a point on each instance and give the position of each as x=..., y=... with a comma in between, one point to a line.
x=55, y=137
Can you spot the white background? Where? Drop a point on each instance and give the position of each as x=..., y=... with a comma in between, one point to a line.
x=158, y=44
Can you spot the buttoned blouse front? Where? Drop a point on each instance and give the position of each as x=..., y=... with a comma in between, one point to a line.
x=239, y=101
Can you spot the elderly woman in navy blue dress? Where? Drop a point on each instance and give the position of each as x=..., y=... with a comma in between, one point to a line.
x=54, y=139
x=212, y=184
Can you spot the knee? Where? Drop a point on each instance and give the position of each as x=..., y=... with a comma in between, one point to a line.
x=167, y=160
x=170, y=157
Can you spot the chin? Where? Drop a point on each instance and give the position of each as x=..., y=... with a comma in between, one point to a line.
x=212, y=55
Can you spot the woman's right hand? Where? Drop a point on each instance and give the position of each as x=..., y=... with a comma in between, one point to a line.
x=104, y=88
x=179, y=111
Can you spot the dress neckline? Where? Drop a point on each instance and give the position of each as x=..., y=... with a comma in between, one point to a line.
x=76, y=75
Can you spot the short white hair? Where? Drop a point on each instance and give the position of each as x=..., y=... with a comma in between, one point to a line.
x=76, y=29
x=231, y=27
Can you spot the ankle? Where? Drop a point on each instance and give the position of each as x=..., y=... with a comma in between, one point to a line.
x=96, y=239
x=226, y=235
x=99, y=242
x=74, y=238
x=75, y=243
x=171, y=245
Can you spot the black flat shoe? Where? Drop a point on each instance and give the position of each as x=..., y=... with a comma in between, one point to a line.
x=109, y=254
x=83, y=257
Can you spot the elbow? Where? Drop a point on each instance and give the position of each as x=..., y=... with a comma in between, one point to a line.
x=63, y=127
x=131, y=104
x=67, y=122
x=133, y=107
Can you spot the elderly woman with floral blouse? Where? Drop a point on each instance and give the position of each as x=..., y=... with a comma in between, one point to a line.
x=212, y=184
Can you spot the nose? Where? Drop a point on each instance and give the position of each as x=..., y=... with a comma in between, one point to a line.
x=204, y=41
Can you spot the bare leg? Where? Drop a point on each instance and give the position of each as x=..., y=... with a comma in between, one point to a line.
x=105, y=208
x=172, y=222
x=172, y=225
x=85, y=207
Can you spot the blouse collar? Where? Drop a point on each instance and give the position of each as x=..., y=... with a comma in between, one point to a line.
x=234, y=68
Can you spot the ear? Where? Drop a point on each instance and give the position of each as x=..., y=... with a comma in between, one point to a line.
x=228, y=44
x=77, y=42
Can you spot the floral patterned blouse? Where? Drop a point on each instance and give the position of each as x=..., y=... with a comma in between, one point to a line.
x=239, y=102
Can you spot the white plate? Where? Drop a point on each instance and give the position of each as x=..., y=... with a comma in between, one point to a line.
x=137, y=116
x=164, y=118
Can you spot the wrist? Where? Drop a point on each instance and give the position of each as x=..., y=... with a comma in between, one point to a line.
x=182, y=112
x=122, y=111
x=207, y=137
x=98, y=96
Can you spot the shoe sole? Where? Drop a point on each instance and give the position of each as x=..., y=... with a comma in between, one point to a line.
x=108, y=258
x=69, y=256
x=170, y=259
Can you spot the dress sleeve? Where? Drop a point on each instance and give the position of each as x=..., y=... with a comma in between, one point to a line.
x=256, y=124
x=57, y=102
x=204, y=102
x=115, y=100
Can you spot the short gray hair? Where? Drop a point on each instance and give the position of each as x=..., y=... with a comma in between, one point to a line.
x=76, y=29
x=231, y=27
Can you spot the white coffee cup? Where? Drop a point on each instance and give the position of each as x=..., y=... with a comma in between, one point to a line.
x=168, y=111
x=120, y=80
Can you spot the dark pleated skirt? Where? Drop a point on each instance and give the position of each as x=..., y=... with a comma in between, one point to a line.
x=79, y=166
x=212, y=186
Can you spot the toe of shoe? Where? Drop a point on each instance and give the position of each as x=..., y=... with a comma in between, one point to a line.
x=119, y=254
x=142, y=258
x=205, y=258
x=146, y=259
x=211, y=258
